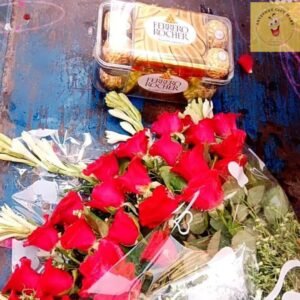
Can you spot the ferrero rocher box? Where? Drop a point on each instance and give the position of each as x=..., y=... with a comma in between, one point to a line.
x=161, y=53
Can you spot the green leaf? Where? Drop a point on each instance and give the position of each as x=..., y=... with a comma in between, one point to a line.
x=200, y=243
x=199, y=223
x=244, y=237
x=276, y=204
x=241, y=213
x=214, y=244
x=233, y=227
x=217, y=224
x=97, y=224
x=233, y=192
x=174, y=182
x=123, y=163
x=256, y=195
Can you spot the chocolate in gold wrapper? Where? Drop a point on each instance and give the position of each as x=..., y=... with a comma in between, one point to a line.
x=163, y=51
x=217, y=34
x=110, y=81
x=217, y=61
x=117, y=51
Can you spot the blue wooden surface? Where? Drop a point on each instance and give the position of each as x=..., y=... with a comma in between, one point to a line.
x=46, y=82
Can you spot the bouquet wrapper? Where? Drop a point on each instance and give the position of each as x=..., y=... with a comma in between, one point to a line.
x=40, y=190
x=172, y=265
x=172, y=271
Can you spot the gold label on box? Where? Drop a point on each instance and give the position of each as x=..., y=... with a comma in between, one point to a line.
x=170, y=30
x=163, y=83
x=275, y=27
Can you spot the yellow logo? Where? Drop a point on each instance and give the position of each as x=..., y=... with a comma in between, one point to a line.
x=171, y=19
x=275, y=27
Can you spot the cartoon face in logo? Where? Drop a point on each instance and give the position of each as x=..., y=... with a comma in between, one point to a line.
x=274, y=25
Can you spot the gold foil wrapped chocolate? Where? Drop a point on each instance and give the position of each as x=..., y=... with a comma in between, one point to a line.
x=117, y=51
x=111, y=82
x=217, y=34
x=197, y=89
x=218, y=63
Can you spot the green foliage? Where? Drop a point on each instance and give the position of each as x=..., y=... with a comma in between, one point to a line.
x=173, y=182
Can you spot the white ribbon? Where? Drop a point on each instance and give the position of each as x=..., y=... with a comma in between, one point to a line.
x=291, y=295
x=185, y=213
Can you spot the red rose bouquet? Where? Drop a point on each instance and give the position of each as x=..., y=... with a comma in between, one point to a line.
x=153, y=210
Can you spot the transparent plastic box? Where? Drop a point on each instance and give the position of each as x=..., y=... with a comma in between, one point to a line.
x=161, y=53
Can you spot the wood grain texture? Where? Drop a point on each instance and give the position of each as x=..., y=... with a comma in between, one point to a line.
x=46, y=82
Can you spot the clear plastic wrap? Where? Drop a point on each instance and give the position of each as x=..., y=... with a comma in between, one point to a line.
x=212, y=254
x=168, y=270
x=40, y=190
x=162, y=52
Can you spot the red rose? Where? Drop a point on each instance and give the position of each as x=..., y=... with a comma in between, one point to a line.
x=232, y=146
x=187, y=121
x=79, y=236
x=44, y=237
x=221, y=166
x=137, y=145
x=23, y=278
x=191, y=163
x=13, y=296
x=107, y=195
x=105, y=167
x=157, y=208
x=201, y=133
x=133, y=288
x=124, y=230
x=64, y=211
x=97, y=264
x=125, y=269
x=168, y=149
x=160, y=249
x=54, y=282
x=225, y=123
x=210, y=188
x=135, y=177
x=167, y=123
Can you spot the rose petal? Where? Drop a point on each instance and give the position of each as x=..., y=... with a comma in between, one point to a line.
x=104, y=168
x=167, y=123
x=231, y=146
x=201, y=133
x=97, y=264
x=221, y=166
x=135, y=177
x=158, y=208
x=64, y=211
x=246, y=61
x=44, y=237
x=23, y=277
x=160, y=249
x=168, y=149
x=124, y=230
x=211, y=192
x=107, y=195
x=225, y=124
x=191, y=163
x=137, y=145
x=55, y=282
x=79, y=236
